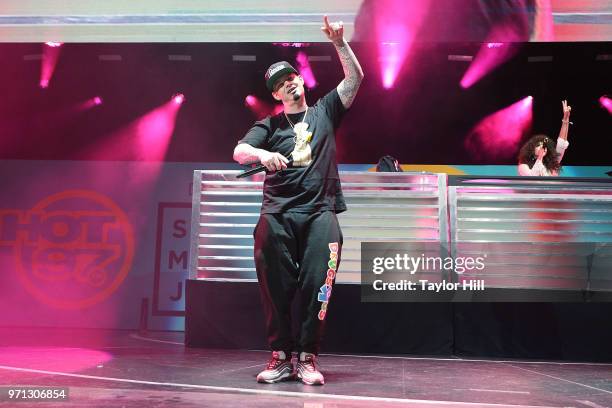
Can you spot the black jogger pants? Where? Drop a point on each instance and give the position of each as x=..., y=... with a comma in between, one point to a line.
x=296, y=251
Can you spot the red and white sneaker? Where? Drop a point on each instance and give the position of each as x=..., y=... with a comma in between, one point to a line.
x=279, y=368
x=307, y=370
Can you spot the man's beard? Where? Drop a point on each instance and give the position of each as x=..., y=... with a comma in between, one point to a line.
x=297, y=95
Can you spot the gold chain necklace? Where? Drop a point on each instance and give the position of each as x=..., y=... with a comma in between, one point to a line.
x=303, y=119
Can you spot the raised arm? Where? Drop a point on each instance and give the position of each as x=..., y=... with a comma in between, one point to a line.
x=353, y=74
x=562, y=142
x=565, y=122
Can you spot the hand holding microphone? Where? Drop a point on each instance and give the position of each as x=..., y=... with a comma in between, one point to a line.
x=271, y=161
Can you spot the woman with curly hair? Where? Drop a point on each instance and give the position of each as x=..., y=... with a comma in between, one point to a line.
x=539, y=156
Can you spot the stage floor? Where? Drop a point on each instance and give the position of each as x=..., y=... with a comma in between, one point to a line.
x=126, y=369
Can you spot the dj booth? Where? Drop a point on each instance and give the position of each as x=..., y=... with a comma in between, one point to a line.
x=549, y=265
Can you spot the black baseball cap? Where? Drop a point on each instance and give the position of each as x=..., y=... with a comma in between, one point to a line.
x=277, y=70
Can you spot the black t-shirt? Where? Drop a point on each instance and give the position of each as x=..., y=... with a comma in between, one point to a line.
x=309, y=189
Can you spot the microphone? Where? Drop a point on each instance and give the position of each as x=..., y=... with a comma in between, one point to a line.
x=297, y=94
x=257, y=169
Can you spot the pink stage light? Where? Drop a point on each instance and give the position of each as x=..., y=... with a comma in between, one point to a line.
x=61, y=359
x=146, y=138
x=250, y=100
x=50, y=55
x=391, y=57
x=305, y=70
x=497, y=137
x=606, y=103
x=62, y=114
x=492, y=54
x=396, y=24
x=178, y=98
x=260, y=108
x=154, y=130
x=90, y=103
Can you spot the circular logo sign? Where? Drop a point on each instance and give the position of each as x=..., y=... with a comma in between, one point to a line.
x=75, y=249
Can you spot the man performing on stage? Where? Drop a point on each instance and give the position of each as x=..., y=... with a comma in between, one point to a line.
x=298, y=240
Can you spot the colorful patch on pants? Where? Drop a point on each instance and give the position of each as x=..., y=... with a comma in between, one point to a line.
x=326, y=290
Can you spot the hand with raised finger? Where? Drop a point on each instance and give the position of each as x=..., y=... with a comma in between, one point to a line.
x=566, y=110
x=334, y=31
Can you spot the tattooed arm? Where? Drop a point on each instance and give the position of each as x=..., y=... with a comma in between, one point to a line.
x=353, y=74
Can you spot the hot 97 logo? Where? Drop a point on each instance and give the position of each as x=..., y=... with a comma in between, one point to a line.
x=72, y=249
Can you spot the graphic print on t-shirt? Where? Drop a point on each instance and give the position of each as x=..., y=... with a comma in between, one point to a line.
x=302, y=153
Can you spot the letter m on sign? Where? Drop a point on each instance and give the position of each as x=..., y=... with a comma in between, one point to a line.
x=180, y=259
